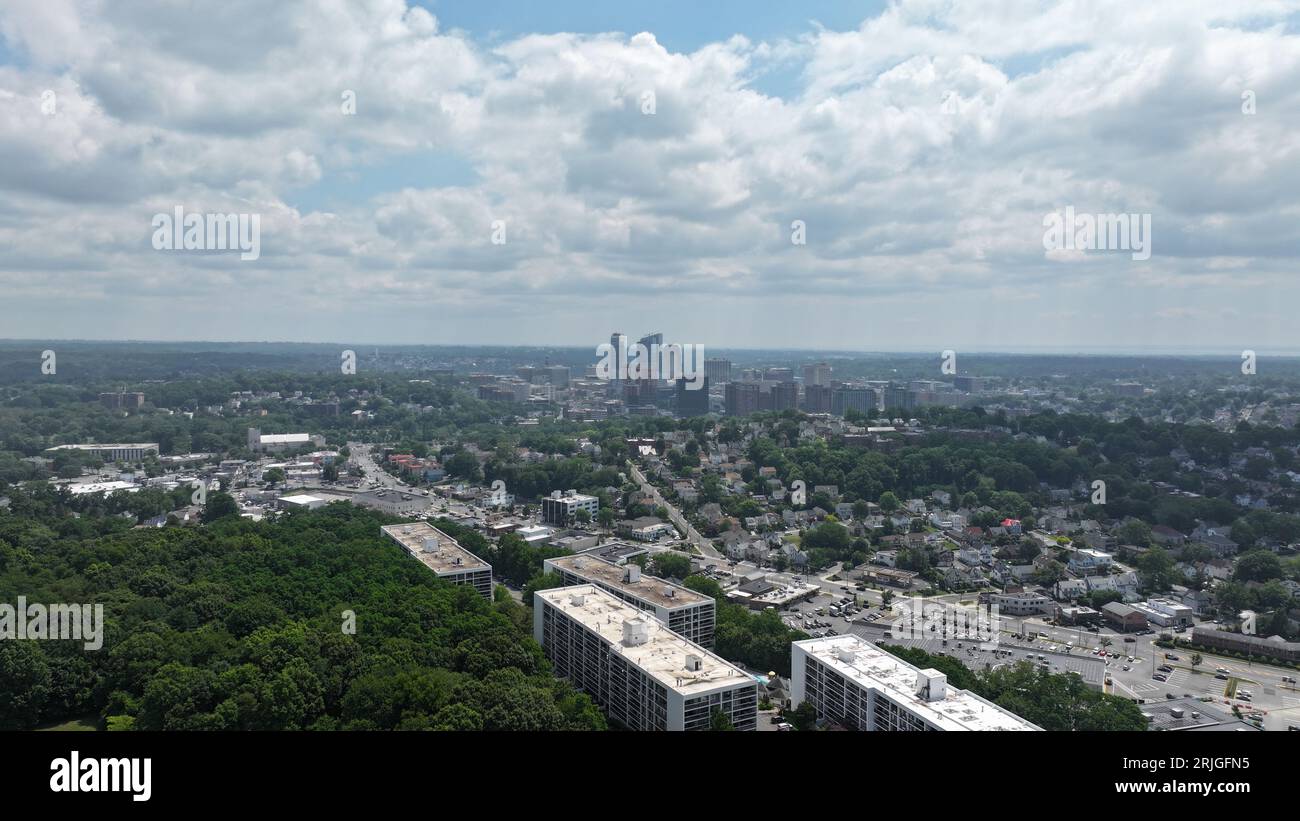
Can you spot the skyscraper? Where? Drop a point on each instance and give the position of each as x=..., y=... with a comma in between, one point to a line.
x=692, y=402
x=742, y=398
x=718, y=371
x=816, y=374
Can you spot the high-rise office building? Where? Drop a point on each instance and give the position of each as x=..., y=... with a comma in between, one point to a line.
x=559, y=376
x=898, y=397
x=785, y=396
x=846, y=398
x=742, y=398
x=718, y=371
x=817, y=398
x=692, y=401
x=779, y=375
x=816, y=374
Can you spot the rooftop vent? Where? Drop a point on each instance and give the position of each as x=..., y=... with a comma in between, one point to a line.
x=670, y=593
x=430, y=544
x=1177, y=712
x=931, y=685
x=635, y=632
x=633, y=574
x=577, y=600
x=693, y=663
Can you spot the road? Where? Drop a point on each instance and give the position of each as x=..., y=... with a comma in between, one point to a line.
x=693, y=536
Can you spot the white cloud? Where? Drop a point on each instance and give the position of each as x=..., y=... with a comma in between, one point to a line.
x=914, y=209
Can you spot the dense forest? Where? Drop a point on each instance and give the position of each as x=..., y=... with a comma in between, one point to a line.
x=242, y=625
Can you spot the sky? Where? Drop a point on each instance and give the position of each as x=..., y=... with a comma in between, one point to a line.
x=849, y=176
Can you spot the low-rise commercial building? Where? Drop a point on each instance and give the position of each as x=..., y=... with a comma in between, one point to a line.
x=645, y=676
x=443, y=555
x=855, y=684
x=1123, y=617
x=1272, y=647
x=1024, y=604
x=561, y=508
x=690, y=614
x=119, y=452
x=301, y=501
x=1165, y=613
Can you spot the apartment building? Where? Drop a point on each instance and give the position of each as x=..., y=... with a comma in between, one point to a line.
x=855, y=684
x=687, y=613
x=443, y=555
x=644, y=675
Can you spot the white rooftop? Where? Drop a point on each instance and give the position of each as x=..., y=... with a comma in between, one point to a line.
x=283, y=438
x=301, y=499
x=436, y=550
x=662, y=654
x=102, y=487
x=873, y=668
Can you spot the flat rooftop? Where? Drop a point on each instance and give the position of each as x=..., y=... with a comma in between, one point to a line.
x=1190, y=714
x=106, y=446
x=876, y=669
x=283, y=438
x=662, y=655
x=449, y=556
x=648, y=588
x=613, y=551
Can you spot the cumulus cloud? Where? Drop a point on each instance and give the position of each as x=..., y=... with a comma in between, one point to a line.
x=642, y=186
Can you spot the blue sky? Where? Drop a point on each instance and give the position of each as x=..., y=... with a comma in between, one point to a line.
x=922, y=224
x=680, y=25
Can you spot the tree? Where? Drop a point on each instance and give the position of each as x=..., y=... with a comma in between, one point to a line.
x=542, y=581
x=889, y=502
x=1135, y=532
x=1197, y=660
x=25, y=682
x=672, y=565
x=583, y=516
x=274, y=476
x=464, y=465
x=1156, y=570
x=1257, y=566
x=720, y=721
x=803, y=717
x=219, y=505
